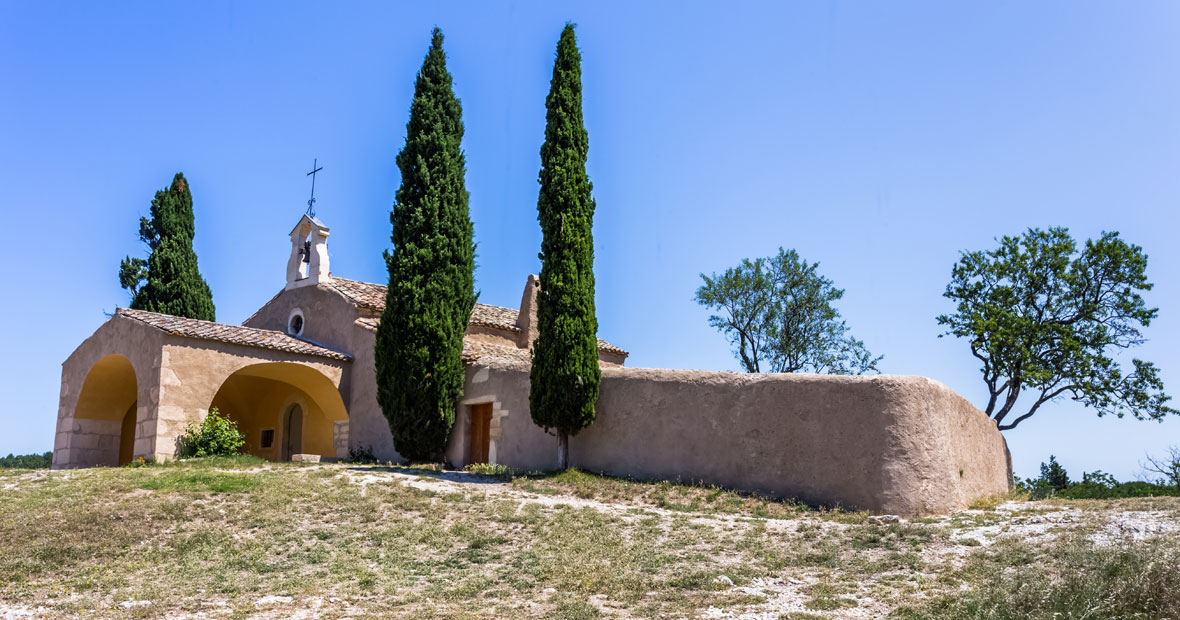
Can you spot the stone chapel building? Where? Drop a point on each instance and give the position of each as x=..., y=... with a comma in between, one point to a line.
x=298, y=378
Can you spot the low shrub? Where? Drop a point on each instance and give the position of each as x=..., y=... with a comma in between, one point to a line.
x=488, y=469
x=27, y=461
x=216, y=435
x=362, y=454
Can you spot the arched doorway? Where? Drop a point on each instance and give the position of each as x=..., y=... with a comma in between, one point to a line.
x=106, y=414
x=284, y=408
x=292, y=432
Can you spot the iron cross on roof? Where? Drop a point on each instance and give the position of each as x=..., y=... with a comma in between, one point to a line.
x=311, y=202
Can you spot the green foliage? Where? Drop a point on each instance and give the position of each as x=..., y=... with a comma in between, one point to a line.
x=1054, y=474
x=362, y=454
x=489, y=469
x=1042, y=317
x=168, y=281
x=778, y=314
x=27, y=461
x=565, y=375
x=1055, y=482
x=431, y=271
x=216, y=435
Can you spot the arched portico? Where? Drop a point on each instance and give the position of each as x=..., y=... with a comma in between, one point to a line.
x=284, y=408
x=106, y=414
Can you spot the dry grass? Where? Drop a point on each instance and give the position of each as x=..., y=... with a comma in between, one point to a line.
x=242, y=539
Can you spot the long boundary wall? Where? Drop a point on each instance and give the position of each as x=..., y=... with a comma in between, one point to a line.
x=886, y=443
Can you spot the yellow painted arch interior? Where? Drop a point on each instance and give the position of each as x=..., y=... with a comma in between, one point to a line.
x=258, y=396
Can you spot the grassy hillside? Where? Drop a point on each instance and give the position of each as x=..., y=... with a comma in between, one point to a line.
x=238, y=538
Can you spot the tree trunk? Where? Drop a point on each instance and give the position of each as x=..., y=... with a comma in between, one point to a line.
x=563, y=450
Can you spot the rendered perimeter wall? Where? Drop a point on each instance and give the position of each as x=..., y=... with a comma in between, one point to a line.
x=885, y=443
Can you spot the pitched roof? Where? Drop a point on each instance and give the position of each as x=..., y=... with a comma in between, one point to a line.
x=372, y=297
x=232, y=334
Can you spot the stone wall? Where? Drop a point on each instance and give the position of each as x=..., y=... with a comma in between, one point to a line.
x=83, y=442
x=885, y=443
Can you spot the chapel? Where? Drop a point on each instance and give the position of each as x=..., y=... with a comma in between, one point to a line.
x=297, y=376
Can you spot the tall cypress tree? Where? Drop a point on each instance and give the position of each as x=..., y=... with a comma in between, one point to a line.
x=565, y=374
x=431, y=271
x=169, y=281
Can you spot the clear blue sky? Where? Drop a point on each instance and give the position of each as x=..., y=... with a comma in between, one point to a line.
x=880, y=139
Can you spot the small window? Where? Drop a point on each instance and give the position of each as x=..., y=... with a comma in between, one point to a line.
x=268, y=438
x=295, y=323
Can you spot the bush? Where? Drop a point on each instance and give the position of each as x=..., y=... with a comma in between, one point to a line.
x=216, y=435
x=488, y=469
x=362, y=454
x=1055, y=482
x=27, y=461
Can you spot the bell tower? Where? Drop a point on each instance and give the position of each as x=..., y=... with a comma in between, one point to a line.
x=308, y=264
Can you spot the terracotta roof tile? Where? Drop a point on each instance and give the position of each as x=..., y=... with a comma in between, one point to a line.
x=233, y=334
x=363, y=294
x=372, y=297
x=495, y=316
x=473, y=350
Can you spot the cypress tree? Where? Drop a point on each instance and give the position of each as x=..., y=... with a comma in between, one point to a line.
x=169, y=280
x=565, y=374
x=431, y=292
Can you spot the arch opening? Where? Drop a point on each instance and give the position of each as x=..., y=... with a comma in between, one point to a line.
x=284, y=409
x=106, y=414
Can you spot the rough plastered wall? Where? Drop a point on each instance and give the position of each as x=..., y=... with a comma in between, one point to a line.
x=327, y=316
x=885, y=443
x=85, y=442
x=515, y=440
x=367, y=426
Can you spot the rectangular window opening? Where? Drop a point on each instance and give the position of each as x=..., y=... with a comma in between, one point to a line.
x=268, y=438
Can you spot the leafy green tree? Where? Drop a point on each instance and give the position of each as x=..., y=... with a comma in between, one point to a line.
x=778, y=314
x=565, y=375
x=1043, y=317
x=27, y=461
x=168, y=281
x=1054, y=475
x=431, y=271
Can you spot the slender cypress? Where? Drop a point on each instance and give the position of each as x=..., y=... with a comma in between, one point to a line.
x=431, y=271
x=565, y=374
x=169, y=280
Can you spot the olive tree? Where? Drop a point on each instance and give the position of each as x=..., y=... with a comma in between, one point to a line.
x=1044, y=319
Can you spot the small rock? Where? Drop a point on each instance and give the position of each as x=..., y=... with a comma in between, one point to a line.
x=797, y=582
x=883, y=519
x=722, y=580
x=130, y=604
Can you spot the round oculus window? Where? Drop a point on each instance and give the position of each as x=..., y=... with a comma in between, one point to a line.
x=295, y=326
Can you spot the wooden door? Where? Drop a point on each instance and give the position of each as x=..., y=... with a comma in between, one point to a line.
x=481, y=428
x=293, y=440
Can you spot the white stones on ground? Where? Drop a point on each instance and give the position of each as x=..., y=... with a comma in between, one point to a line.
x=273, y=600
x=884, y=519
x=130, y=604
x=723, y=581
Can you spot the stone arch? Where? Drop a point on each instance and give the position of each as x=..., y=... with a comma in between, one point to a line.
x=259, y=396
x=105, y=416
